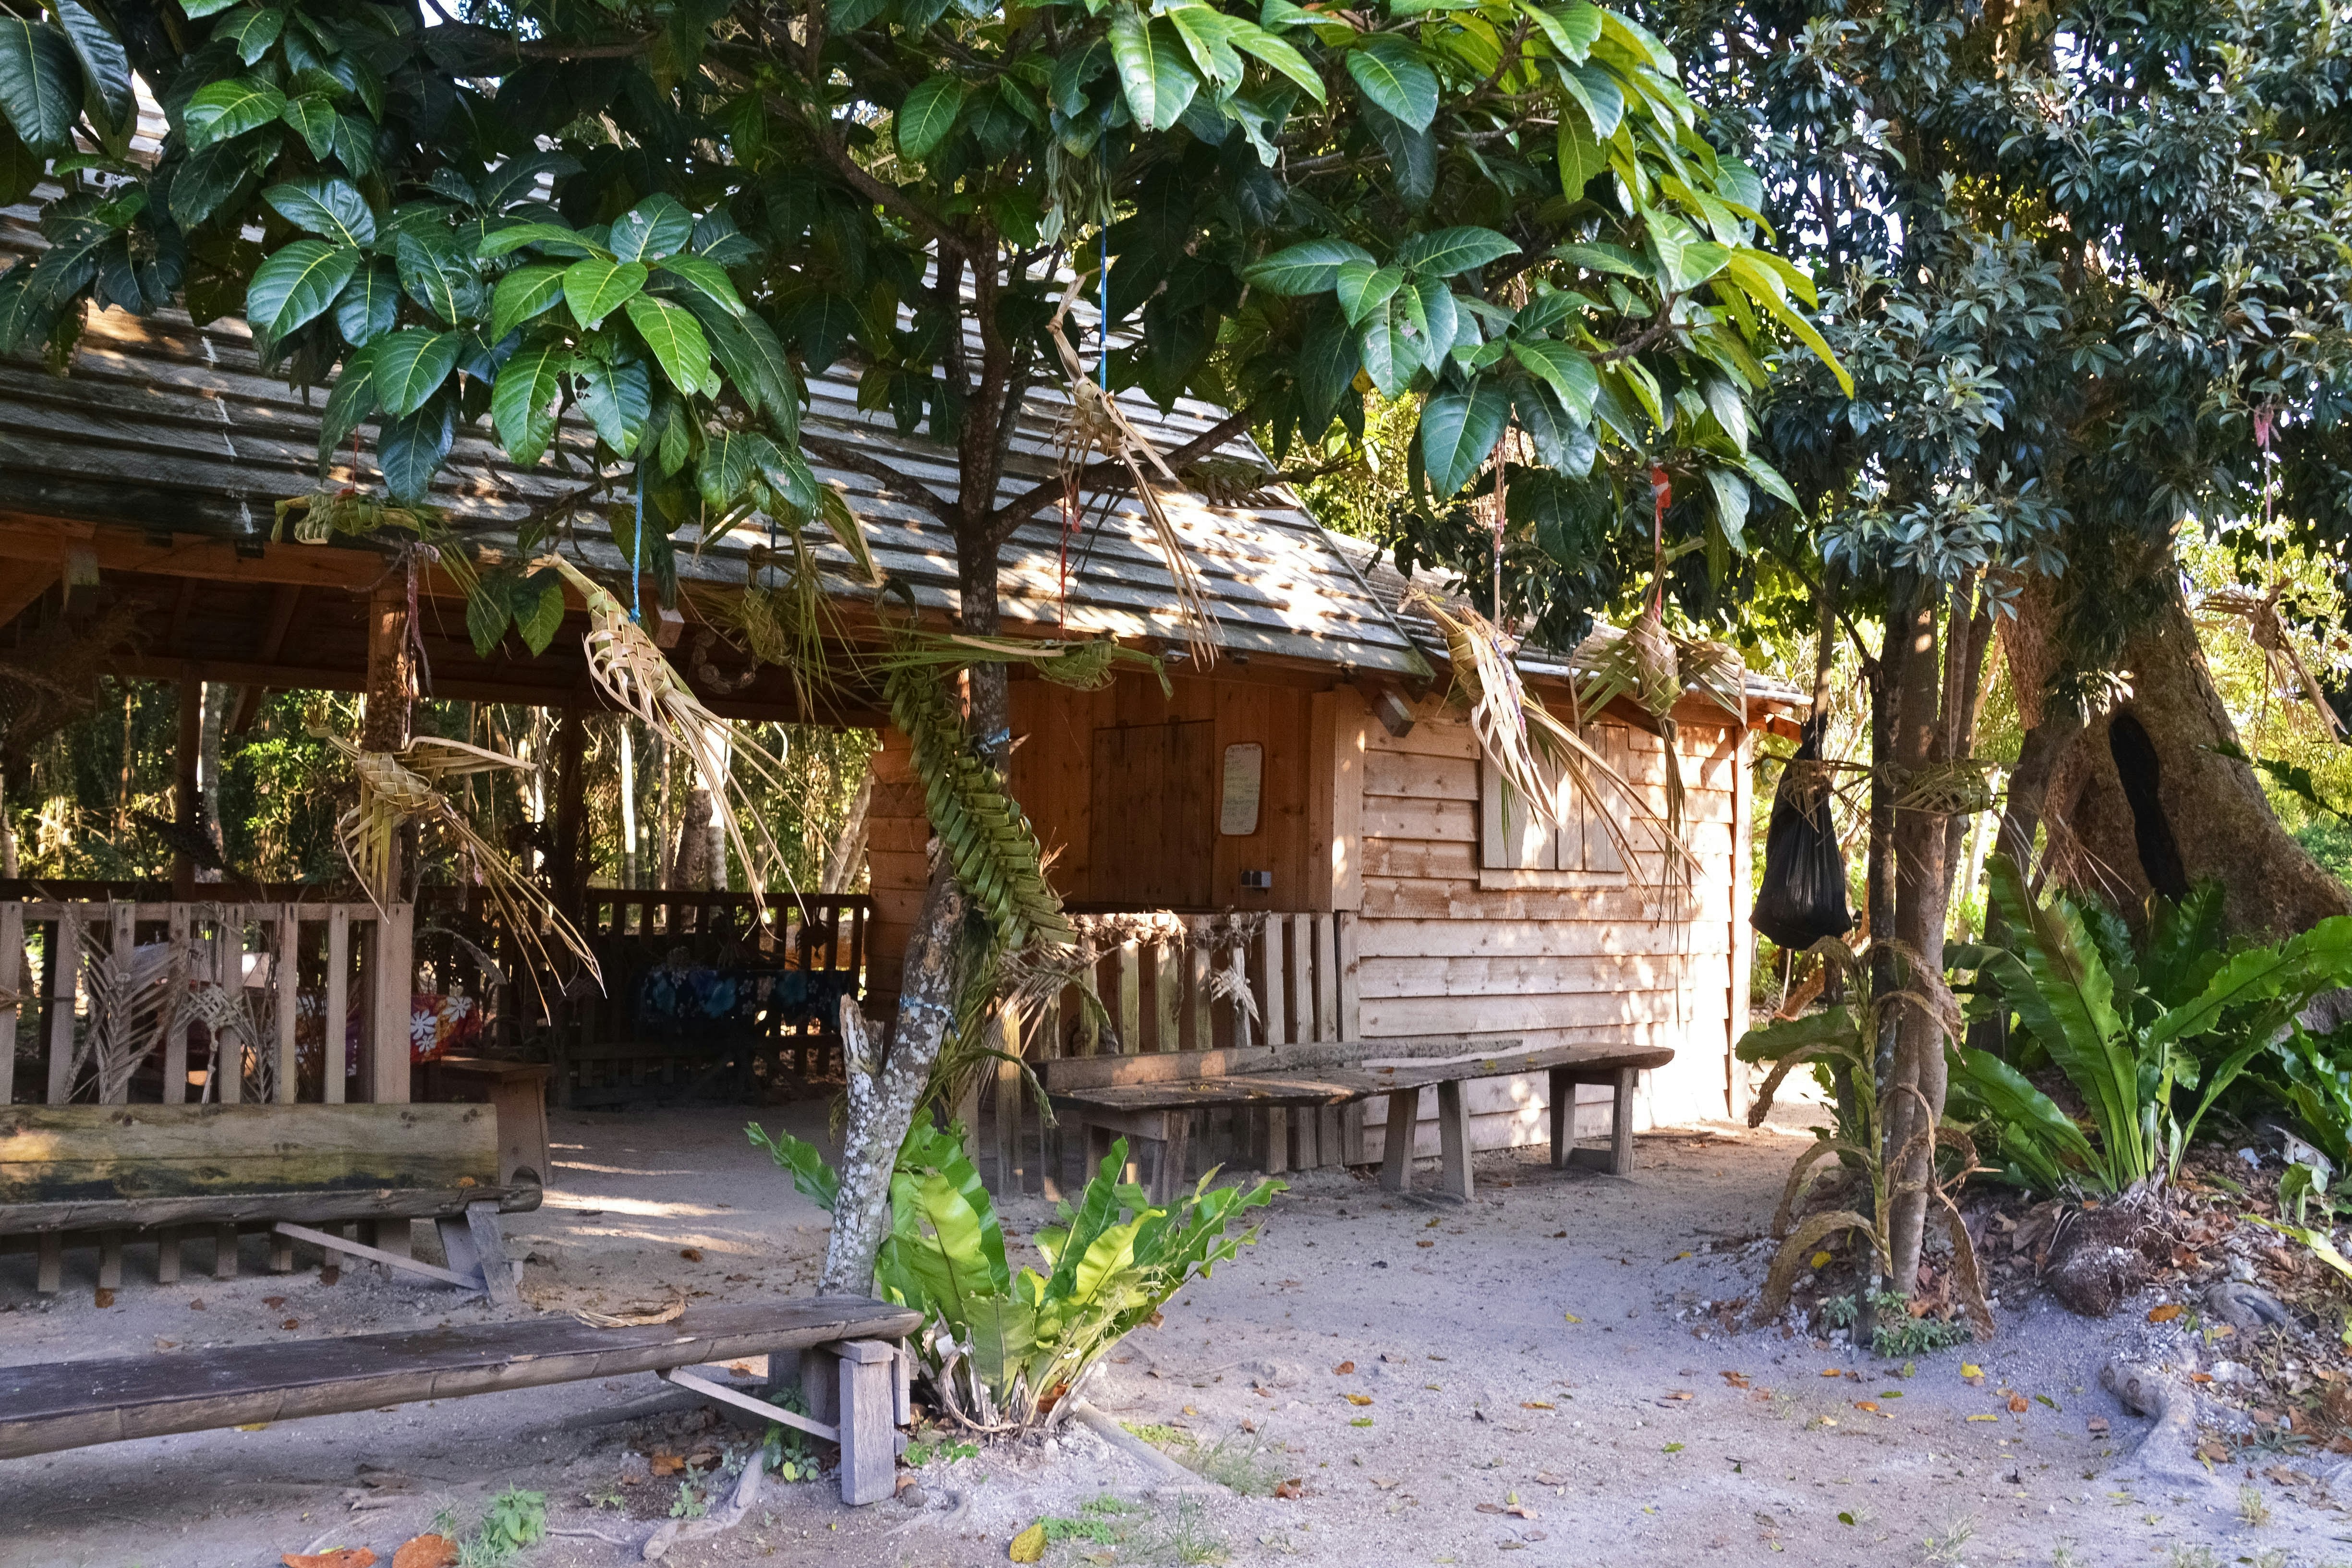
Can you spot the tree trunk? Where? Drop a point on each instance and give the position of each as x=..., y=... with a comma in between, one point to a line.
x=628, y=764
x=2145, y=804
x=693, y=859
x=218, y=700
x=849, y=844
x=886, y=1081
x=1911, y=1098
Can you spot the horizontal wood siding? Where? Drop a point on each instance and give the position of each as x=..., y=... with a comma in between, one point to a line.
x=1544, y=965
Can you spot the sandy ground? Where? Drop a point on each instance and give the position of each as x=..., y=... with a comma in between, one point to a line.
x=1554, y=1348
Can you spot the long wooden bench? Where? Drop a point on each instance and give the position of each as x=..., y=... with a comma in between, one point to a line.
x=113, y=1172
x=1153, y=1098
x=75, y=1404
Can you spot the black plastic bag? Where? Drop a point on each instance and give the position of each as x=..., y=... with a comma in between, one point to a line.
x=1803, y=897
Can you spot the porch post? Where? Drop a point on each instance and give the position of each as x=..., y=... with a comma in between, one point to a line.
x=186, y=811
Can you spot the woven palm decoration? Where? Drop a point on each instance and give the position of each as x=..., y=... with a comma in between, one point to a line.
x=405, y=786
x=2269, y=632
x=1533, y=750
x=632, y=673
x=1096, y=423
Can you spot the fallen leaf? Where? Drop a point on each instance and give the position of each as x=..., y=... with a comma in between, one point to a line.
x=2045, y=1399
x=273, y=1303
x=2165, y=1313
x=1343, y=1369
x=1868, y=1404
x=1820, y=1260
x=1737, y=1379
x=2017, y=1404
x=1536, y=1405
x=1970, y=1369
x=101, y=1297
x=197, y=1306
x=1388, y=1483
x=340, y=1557
x=667, y=1464
x=2097, y=1426
x=1424, y=1244
x=1571, y=1317
x=291, y=1324
x=258, y=1426
x=1293, y=1487
x=1832, y=1372
x=1679, y=1257
x=1490, y=1507
x=1549, y=1480
x=1029, y=1546
x=1672, y=1448
x=425, y=1552
x=691, y=1254
x=1520, y=1511
x=2200, y=1377
x=1984, y=1417
x=1359, y=1399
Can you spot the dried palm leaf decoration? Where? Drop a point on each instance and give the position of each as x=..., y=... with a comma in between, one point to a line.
x=397, y=787
x=1096, y=423
x=1533, y=750
x=637, y=678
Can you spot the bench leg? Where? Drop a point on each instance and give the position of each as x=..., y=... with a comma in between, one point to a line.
x=869, y=1448
x=491, y=1254
x=281, y=1254
x=1307, y=1152
x=1454, y=1141
x=1563, y=1117
x=224, y=1252
x=1175, y=1154
x=328, y=1242
x=167, y=1257
x=1621, y=1129
x=1351, y=1134
x=820, y=1382
x=1277, y=1141
x=1396, y=1158
x=110, y=1260
x=50, y=1272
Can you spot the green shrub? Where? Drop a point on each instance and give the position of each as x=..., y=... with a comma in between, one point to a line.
x=1004, y=1350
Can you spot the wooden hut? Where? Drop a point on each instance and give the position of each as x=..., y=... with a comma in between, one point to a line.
x=1313, y=787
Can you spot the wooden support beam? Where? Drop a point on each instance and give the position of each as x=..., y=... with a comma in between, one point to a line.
x=568, y=873
x=328, y=1242
x=23, y=589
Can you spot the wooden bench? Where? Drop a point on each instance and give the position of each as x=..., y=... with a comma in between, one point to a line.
x=116, y=1171
x=1153, y=1098
x=69, y=1405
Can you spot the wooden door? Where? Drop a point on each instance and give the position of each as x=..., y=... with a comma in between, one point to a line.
x=1153, y=815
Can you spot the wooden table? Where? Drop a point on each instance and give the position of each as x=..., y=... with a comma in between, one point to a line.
x=1153, y=1097
x=516, y=1090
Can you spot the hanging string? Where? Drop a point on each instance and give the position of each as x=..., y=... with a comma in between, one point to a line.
x=1102, y=320
x=637, y=554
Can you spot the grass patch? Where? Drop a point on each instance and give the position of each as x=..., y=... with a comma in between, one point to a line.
x=1108, y=1529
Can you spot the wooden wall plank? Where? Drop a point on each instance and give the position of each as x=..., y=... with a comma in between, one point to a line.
x=62, y=982
x=338, y=1003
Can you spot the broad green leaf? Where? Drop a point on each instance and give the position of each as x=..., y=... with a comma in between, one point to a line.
x=197, y=10
x=1638, y=40
x=1376, y=337
x=596, y=288
x=540, y=616
x=1131, y=48
x=410, y=449
x=331, y=208
x=1766, y=288
x=553, y=237
x=1327, y=362
x=369, y=304
x=104, y=64
x=655, y=227
x=1441, y=319
x=1309, y=267
x=1173, y=80
x=1572, y=29
x=1597, y=92
x=1458, y=429
x=489, y=610
x=352, y=400
x=1364, y=289
x=1280, y=53
x=1603, y=259
x=2043, y=1128
x=928, y=114
x=1767, y=478
x=1581, y=157
x=1446, y=253
x=312, y=117
x=1393, y=75
x=2316, y=960
x=40, y=82
x=227, y=109
x=433, y=276
x=249, y=31
x=1730, y=505
x=707, y=279
x=677, y=340
x=523, y=294
x=298, y=283
x=522, y=400
x=1566, y=372
x=410, y=366
x=617, y=399
x=1208, y=35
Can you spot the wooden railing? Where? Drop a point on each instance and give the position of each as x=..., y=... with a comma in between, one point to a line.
x=1178, y=982
x=699, y=998
x=151, y=1000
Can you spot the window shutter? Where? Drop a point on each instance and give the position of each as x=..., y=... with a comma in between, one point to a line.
x=1599, y=851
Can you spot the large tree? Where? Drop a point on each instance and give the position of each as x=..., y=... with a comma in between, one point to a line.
x=649, y=222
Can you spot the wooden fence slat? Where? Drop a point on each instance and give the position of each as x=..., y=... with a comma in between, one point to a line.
x=175, y=1044
x=339, y=1002
x=1167, y=994
x=122, y=939
x=1196, y=985
x=285, y=976
x=1130, y=997
x=1302, y=976
x=1274, y=1022
x=228, y=973
x=63, y=979
x=391, y=983
x=12, y=982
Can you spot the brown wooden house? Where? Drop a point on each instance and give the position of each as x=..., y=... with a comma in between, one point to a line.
x=1312, y=786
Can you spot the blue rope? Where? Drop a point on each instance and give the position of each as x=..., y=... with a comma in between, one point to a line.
x=1102, y=324
x=636, y=553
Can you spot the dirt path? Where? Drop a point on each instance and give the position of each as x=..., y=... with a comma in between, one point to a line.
x=1553, y=1348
